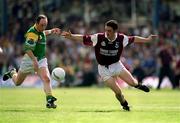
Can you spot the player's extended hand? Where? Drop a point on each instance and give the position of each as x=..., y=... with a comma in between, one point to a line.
x=151, y=37
x=66, y=34
x=56, y=31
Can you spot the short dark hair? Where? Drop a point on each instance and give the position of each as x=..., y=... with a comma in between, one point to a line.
x=40, y=17
x=112, y=23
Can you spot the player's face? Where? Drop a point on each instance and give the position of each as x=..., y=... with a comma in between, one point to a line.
x=41, y=26
x=109, y=32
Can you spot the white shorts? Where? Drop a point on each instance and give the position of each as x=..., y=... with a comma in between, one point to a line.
x=112, y=70
x=27, y=64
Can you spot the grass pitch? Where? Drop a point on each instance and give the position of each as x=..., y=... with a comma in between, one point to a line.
x=88, y=105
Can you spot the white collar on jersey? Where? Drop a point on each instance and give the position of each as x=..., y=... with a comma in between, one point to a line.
x=113, y=39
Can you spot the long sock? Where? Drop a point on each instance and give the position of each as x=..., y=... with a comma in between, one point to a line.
x=137, y=85
x=120, y=98
x=124, y=103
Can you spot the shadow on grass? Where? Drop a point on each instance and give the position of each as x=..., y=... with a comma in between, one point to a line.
x=99, y=111
x=13, y=110
x=27, y=110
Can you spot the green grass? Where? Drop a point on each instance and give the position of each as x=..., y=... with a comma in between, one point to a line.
x=88, y=105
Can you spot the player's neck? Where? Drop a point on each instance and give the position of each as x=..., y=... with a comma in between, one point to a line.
x=35, y=26
x=112, y=38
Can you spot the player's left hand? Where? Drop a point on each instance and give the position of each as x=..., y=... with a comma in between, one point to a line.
x=56, y=31
x=66, y=34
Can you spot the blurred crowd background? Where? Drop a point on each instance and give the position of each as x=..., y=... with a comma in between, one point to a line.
x=135, y=17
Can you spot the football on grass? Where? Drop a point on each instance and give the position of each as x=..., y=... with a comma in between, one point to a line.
x=58, y=74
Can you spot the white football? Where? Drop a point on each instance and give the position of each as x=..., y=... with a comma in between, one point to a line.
x=58, y=74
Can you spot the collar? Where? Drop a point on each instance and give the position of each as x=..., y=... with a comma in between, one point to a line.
x=35, y=27
x=113, y=39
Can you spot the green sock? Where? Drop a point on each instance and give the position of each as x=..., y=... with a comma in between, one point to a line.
x=48, y=97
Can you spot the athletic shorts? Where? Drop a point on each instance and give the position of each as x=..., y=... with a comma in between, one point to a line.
x=112, y=70
x=27, y=64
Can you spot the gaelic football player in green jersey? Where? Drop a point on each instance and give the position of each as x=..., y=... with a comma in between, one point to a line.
x=34, y=60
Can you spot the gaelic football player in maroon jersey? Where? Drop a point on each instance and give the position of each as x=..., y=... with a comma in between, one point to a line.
x=108, y=49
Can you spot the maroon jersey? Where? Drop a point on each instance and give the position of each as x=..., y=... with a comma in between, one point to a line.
x=107, y=52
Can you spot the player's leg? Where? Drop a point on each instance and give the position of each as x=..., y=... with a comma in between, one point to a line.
x=126, y=76
x=111, y=83
x=45, y=76
x=17, y=78
x=25, y=68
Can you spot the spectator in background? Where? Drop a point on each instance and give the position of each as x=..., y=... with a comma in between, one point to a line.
x=165, y=59
x=138, y=71
x=70, y=76
x=149, y=64
x=177, y=74
x=88, y=76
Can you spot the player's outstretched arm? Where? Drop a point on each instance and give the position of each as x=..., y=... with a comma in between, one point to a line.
x=75, y=37
x=56, y=31
x=138, y=39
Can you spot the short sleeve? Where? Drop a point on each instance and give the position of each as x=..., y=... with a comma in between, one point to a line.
x=127, y=40
x=31, y=40
x=90, y=40
x=94, y=39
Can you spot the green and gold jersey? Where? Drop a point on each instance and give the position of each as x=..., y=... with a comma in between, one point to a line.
x=36, y=42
